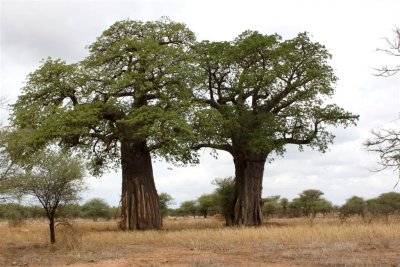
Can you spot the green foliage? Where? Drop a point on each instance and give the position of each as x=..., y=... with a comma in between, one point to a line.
x=96, y=208
x=13, y=210
x=135, y=85
x=115, y=212
x=388, y=203
x=324, y=206
x=69, y=211
x=8, y=166
x=295, y=208
x=353, y=206
x=309, y=200
x=224, y=194
x=19, y=211
x=36, y=212
x=309, y=204
x=189, y=208
x=165, y=200
x=284, y=202
x=271, y=206
x=384, y=205
x=261, y=92
x=207, y=203
x=373, y=208
x=53, y=178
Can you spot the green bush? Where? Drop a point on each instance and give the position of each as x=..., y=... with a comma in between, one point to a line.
x=96, y=208
x=224, y=197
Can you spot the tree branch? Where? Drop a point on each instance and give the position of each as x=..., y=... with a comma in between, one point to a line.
x=225, y=147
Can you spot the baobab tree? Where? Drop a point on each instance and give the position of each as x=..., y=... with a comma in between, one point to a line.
x=121, y=105
x=258, y=94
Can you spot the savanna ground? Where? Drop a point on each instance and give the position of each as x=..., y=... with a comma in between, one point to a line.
x=204, y=242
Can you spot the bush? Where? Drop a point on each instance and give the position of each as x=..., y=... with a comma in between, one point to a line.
x=165, y=201
x=271, y=206
x=224, y=197
x=96, y=208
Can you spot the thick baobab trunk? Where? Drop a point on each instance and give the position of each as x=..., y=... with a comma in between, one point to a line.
x=249, y=172
x=140, y=208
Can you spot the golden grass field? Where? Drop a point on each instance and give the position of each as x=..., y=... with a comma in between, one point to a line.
x=204, y=242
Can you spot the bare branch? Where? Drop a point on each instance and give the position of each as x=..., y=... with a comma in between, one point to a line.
x=392, y=50
x=386, y=142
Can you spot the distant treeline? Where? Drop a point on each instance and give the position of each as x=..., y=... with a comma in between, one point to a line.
x=310, y=203
x=94, y=209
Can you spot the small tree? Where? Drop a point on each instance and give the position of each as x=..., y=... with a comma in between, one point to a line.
x=115, y=212
x=206, y=202
x=271, y=206
x=224, y=194
x=311, y=203
x=284, y=202
x=165, y=201
x=324, y=207
x=295, y=208
x=353, y=206
x=54, y=179
x=389, y=203
x=189, y=207
x=96, y=208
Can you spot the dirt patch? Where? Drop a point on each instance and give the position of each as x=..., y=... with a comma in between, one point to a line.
x=186, y=257
x=315, y=254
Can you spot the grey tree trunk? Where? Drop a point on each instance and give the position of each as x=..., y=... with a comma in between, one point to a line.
x=249, y=170
x=140, y=207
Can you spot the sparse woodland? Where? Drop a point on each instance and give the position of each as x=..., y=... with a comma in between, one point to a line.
x=151, y=90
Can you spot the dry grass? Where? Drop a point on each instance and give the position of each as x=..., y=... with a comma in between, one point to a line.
x=207, y=243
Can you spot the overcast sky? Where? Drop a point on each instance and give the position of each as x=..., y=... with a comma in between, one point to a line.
x=352, y=30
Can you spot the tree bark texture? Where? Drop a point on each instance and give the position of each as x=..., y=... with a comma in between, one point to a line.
x=140, y=207
x=52, y=230
x=249, y=172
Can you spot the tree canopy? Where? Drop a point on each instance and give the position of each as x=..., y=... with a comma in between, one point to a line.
x=257, y=94
x=54, y=179
x=165, y=200
x=134, y=83
x=264, y=92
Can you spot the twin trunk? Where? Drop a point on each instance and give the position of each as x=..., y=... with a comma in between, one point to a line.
x=249, y=172
x=140, y=207
x=140, y=203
